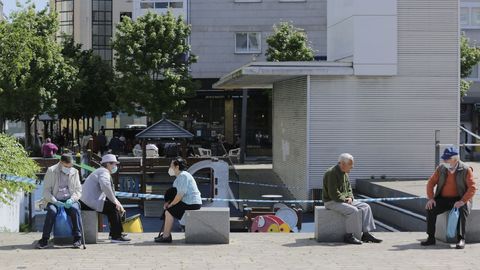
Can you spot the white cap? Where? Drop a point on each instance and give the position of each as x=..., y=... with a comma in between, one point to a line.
x=109, y=158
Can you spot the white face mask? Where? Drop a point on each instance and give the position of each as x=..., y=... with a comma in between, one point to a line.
x=447, y=165
x=66, y=170
x=171, y=172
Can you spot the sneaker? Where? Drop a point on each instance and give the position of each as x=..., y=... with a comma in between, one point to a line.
x=77, y=242
x=42, y=243
x=121, y=239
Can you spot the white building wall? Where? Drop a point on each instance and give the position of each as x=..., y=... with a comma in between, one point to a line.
x=388, y=123
x=289, y=127
x=177, y=7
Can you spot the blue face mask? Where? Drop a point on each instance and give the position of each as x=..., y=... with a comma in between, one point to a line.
x=114, y=170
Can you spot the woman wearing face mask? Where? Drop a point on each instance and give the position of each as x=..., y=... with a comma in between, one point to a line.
x=187, y=198
x=99, y=195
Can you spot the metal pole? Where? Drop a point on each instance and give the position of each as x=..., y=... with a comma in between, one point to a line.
x=437, y=148
x=243, y=133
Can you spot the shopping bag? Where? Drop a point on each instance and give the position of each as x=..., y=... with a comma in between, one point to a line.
x=63, y=224
x=452, y=223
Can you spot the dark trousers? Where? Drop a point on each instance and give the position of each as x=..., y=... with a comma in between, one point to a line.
x=74, y=214
x=443, y=205
x=114, y=217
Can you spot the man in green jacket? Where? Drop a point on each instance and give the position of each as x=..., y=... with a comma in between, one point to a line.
x=338, y=197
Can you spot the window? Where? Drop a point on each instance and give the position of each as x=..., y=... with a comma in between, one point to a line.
x=125, y=14
x=475, y=16
x=176, y=4
x=470, y=16
x=161, y=5
x=464, y=16
x=102, y=28
x=247, y=42
x=64, y=8
x=146, y=5
x=286, y=1
x=474, y=74
x=248, y=1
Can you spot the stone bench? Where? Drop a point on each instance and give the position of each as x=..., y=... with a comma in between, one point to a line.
x=209, y=225
x=90, y=227
x=330, y=225
x=473, y=229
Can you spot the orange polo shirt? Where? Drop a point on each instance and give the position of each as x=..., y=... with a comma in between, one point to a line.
x=450, y=188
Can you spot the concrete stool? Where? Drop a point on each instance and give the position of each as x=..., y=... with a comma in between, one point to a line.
x=90, y=226
x=330, y=225
x=472, y=235
x=209, y=225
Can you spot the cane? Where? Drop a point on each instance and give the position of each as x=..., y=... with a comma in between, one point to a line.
x=83, y=232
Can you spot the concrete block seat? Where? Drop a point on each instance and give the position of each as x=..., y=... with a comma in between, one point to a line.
x=330, y=225
x=473, y=229
x=208, y=225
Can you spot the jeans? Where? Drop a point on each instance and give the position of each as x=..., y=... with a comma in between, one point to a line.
x=74, y=214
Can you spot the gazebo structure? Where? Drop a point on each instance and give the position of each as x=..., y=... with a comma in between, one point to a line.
x=163, y=129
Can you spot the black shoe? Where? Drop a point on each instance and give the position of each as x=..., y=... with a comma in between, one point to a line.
x=164, y=239
x=460, y=244
x=160, y=235
x=429, y=242
x=123, y=235
x=42, y=243
x=350, y=239
x=121, y=239
x=368, y=237
x=77, y=242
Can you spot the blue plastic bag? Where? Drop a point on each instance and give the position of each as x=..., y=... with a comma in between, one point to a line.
x=452, y=223
x=63, y=224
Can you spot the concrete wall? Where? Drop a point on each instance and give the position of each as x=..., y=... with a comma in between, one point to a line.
x=365, y=33
x=388, y=123
x=290, y=134
x=214, y=26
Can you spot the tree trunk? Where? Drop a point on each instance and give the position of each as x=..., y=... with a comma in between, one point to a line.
x=27, y=133
x=78, y=131
x=93, y=123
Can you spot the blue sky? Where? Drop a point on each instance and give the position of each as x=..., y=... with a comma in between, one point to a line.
x=11, y=5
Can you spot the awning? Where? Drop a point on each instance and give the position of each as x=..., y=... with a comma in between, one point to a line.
x=264, y=74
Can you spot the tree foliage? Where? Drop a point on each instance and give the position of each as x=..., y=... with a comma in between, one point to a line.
x=152, y=62
x=470, y=56
x=14, y=160
x=288, y=43
x=32, y=68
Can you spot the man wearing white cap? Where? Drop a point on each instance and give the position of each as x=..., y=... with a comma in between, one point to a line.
x=99, y=195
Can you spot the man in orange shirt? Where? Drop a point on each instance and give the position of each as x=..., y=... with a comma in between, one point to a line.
x=455, y=189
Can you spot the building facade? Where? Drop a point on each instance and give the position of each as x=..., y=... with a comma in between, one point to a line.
x=372, y=98
x=225, y=34
x=470, y=107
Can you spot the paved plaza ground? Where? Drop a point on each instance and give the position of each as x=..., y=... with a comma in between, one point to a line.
x=245, y=251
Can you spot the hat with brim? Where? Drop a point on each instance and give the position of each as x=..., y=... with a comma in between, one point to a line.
x=109, y=158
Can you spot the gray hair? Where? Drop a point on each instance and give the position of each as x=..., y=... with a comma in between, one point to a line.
x=345, y=157
x=456, y=157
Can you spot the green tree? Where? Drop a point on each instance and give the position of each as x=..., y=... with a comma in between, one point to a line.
x=470, y=56
x=288, y=43
x=33, y=67
x=152, y=63
x=14, y=160
x=92, y=93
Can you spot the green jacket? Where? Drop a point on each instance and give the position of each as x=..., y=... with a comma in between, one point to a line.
x=336, y=186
